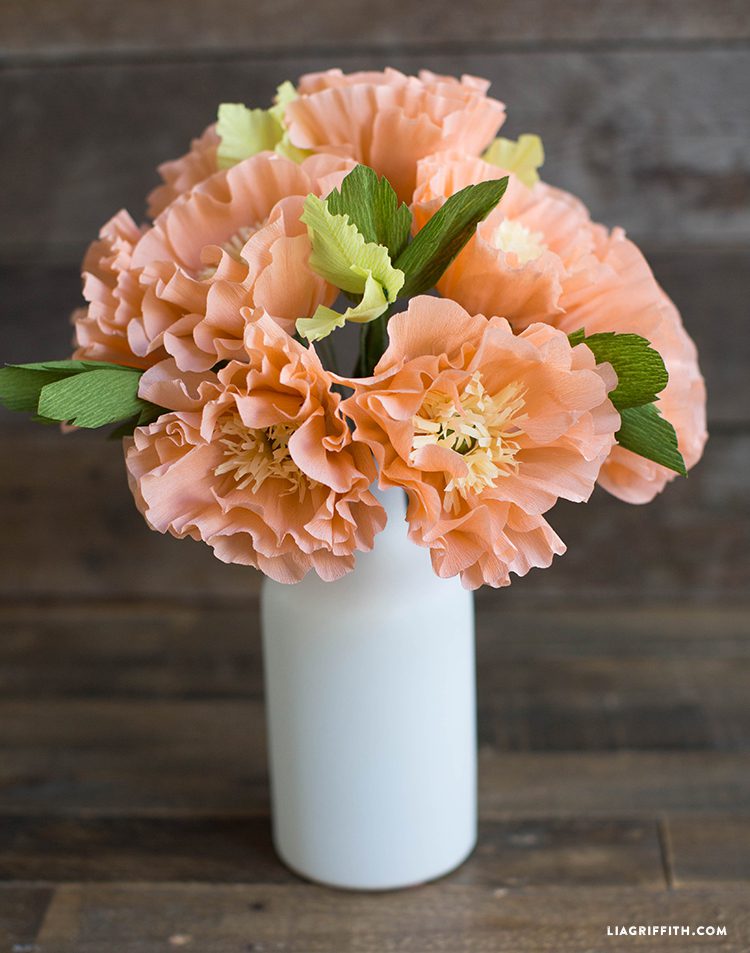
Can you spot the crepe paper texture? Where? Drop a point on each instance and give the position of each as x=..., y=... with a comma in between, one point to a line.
x=512, y=352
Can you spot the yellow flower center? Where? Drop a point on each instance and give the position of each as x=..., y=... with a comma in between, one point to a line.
x=481, y=427
x=232, y=246
x=513, y=236
x=254, y=456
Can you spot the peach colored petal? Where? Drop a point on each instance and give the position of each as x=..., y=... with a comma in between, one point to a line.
x=616, y=291
x=112, y=291
x=361, y=115
x=231, y=245
x=308, y=508
x=489, y=277
x=543, y=402
x=585, y=277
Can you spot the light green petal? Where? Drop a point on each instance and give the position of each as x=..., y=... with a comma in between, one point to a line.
x=320, y=325
x=523, y=157
x=342, y=256
x=245, y=132
x=325, y=320
x=285, y=94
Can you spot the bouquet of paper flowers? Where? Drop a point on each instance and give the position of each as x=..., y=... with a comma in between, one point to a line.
x=511, y=352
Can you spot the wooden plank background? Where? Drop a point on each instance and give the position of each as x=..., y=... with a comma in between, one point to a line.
x=614, y=720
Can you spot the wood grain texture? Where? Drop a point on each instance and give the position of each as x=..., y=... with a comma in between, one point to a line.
x=548, y=681
x=709, y=850
x=133, y=757
x=617, y=657
x=691, y=544
x=227, y=849
x=142, y=757
x=74, y=27
x=622, y=783
x=437, y=918
x=22, y=909
x=36, y=302
x=651, y=140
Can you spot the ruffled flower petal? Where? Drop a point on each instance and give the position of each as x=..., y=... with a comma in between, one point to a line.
x=257, y=461
x=364, y=115
x=538, y=257
x=485, y=430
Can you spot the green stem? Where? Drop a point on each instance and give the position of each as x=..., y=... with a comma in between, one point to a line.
x=329, y=352
x=372, y=344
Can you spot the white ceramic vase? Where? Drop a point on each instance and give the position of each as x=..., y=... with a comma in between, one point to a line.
x=370, y=697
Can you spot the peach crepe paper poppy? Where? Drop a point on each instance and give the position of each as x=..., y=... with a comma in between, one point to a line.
x=516, y=263
x=541, y=405
x=615, y=290
x=576, y=275
x=389, y=121
x=235, y=241
x=182, y=174
x=113, y=295
x=257, y=461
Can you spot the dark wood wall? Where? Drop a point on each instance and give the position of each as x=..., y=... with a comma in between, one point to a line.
x=643, y=107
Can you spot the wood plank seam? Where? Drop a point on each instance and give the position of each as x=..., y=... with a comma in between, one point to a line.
x=665, y=848
x=210, y=55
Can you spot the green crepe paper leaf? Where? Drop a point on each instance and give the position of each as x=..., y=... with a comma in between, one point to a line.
x=73, y=366
x=341, y=255
x=20, y=389
x=644, y=431
x=436, y=245
x=86, y=393
x=640, y=369
x=372, y=205
x=577, y=337
x=522, y=157
x=21, y=384
x=325, y=320
x=93, y=399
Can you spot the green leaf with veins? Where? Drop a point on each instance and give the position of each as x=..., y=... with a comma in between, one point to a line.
x=436, y=244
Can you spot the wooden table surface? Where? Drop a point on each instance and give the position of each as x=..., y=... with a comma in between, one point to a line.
x=614, y=788
x=614, y=688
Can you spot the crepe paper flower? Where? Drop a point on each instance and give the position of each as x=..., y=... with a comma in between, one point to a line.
x=517, y=262
x=257, y=461
x=233, y=243
x=245, y=132
x=389, y=121
x=341, y=256
x=113, y=295
x=181, y=175
x=522, y=157
x=554, y=265
x=485, y=430
x=614, y=289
